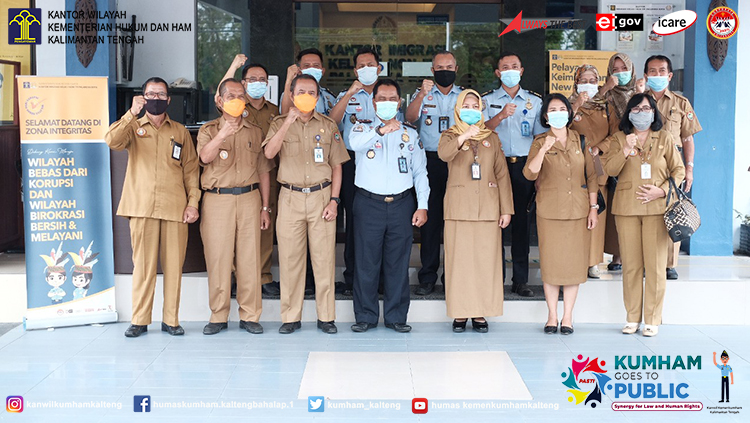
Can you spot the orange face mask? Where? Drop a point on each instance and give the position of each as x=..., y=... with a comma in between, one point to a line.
x=305, y=102
x=234, y=107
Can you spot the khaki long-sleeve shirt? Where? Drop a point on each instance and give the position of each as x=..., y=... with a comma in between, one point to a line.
x=485, y=199
x=162, y=174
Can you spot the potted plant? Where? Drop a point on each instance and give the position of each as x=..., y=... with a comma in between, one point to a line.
x=744, y=233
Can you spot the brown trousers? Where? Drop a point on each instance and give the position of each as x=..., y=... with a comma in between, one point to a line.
x=230, y=229
x=300, y=221
x=266, y=237
x=151, y=239
x=643, y=244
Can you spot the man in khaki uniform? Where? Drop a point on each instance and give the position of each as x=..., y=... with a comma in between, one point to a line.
x=310, y=157
x=679, y=120
x=236, y=182
x=160, y=197
x=261, y=113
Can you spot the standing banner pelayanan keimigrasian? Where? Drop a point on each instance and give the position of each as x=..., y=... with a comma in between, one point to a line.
x=67, y=201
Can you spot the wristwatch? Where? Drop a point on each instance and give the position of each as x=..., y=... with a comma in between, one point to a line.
x=268, y=209
x=691, y=164
x=595, y=206
x=377, y=131
x=336, y=199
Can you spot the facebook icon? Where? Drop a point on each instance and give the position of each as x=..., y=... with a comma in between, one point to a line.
x=142, y=403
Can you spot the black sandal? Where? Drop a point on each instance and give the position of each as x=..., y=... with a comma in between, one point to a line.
x=459, y=326
x=481, y=327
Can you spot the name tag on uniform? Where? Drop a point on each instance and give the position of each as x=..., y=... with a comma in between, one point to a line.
x=402, y=166
x=476, y=171
x=318, y=153
x=443, y=123
x=646, y=171
x=176, y=150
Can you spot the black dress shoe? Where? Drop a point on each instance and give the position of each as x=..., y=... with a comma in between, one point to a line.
x=252, y=327
x=481, y=327
x=522, y=290
x=349, y=291
x=363, y=327
x=459, y=326
x=550, y=329
x=214, y=328
x=399, y=327
x=288, y=328
x=566, y=330
x=172, y=330
x=425, y=288
x=672, y=274
x=135, y=331
x=327, y=327
x=613, y=267
x=271, y=288
x=309, y=291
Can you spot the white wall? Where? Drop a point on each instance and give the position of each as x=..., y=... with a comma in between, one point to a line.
x=742, y=139
x=170, y=55
x=50, y=58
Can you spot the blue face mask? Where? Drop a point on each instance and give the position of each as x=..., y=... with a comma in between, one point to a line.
x=314, y=72
x=470, y=116
x=510, y=78
x=623, y=77
x=386, y=110
x=257, y=89
x=658, y=83
x=558, y=120
x=367, y=75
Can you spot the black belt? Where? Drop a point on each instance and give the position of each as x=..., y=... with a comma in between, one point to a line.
x=308, y=190
x=383, y=198
x=432, y=154
x=233, y=191
x=516, y=159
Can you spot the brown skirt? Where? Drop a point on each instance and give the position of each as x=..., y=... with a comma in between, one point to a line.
x=596, y=253
x=563, y=250
x=473, y=269
x=611, y=244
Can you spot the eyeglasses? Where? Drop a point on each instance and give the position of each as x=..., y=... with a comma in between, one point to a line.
x=645, y=109
x=154, y=96
x=253, y=79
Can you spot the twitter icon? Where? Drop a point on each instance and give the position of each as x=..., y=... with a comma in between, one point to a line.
x=316, y=404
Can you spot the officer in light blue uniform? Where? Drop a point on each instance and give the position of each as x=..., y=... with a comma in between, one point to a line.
x=309, y=62
x=355, y=106
x=514, y=114
x=390, y=162
x=431, y=109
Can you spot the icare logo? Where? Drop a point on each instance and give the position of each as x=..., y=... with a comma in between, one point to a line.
x=14, y=404
x=675, y=22
x=619, y=22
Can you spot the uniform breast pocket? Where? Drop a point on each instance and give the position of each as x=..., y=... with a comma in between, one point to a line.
x=291, y=147
x=252, y=149
x=624, y=185
x=325, y=144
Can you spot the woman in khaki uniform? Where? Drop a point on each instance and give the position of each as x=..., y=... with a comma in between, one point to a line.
x=643, y=157
x=566, y=208
x=591, y=121
x=617, y=95
x=478, y=204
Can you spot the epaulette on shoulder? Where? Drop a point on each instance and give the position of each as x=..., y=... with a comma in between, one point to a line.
x=534, y=93
x=484, y=93
x=279, y=117
x=410, y=125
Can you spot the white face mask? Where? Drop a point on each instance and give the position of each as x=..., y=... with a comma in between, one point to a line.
x=590, y=89
x=367, y=75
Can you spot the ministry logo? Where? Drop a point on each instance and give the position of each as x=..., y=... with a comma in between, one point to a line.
x=24, y=26
x=584, y=380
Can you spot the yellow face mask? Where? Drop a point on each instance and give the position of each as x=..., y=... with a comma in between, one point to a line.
x=305, y=102
x=234, y=107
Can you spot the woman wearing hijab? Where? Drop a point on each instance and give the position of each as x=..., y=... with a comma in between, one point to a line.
x=620, y=86
x=591, y=120
x=566, y=208
x=478, y=204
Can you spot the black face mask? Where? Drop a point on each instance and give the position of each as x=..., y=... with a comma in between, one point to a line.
x=156, y=107
x=445, y=78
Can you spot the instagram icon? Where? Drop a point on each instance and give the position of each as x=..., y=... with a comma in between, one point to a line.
x=14, y=404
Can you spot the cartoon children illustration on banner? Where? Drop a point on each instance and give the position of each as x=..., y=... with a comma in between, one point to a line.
x=83, y=262
x=55, y=274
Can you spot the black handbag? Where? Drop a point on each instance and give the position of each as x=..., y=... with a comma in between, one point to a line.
x=599, y=196
x=681, y=217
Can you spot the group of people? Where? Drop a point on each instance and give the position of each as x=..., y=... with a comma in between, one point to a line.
x=454, y=163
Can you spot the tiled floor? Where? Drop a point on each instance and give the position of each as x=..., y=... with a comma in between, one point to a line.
x=363, y=377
